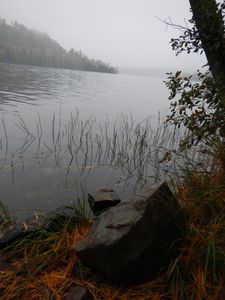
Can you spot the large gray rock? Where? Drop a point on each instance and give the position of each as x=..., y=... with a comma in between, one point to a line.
x=133, y=241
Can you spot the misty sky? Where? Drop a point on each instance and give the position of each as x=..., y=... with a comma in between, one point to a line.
x=125, y=33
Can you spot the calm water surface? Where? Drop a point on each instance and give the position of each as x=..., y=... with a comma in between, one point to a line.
x=57, y=128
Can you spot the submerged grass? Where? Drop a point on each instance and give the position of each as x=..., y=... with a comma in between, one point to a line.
x=136, y=148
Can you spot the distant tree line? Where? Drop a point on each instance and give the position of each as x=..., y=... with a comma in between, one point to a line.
x=21, y=45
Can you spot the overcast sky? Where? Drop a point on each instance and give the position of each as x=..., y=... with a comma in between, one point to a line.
x=125, y=33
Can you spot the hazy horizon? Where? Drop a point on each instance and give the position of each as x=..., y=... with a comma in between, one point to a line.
x=126, y=34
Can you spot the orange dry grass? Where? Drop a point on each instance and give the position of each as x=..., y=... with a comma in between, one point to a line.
x=53, y=281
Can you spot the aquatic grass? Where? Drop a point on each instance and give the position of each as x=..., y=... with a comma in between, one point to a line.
x=135, y=148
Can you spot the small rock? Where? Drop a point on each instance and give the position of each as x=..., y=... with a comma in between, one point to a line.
x=54, y=221
x=102, y=200
x=62, y=215
x=79, y=293
x=14, y=233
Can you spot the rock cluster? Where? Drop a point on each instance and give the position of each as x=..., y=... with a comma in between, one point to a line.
x=128, y=242
x=133, y=241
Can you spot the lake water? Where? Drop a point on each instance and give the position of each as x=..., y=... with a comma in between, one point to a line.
x=64, y=131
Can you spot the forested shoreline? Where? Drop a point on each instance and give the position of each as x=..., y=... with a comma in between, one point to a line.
x=20, y=45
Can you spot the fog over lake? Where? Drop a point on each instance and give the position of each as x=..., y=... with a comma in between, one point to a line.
x=125, y=33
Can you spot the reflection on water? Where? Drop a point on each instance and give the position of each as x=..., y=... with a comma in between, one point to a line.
x=50, y=143
x=45, y=169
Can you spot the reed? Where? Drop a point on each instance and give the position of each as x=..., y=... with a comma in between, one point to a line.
x=136, y=149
